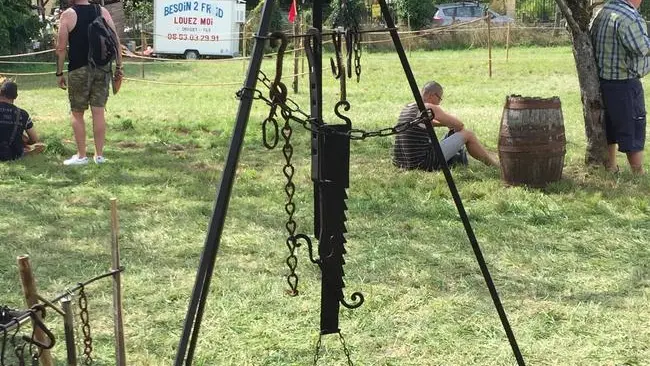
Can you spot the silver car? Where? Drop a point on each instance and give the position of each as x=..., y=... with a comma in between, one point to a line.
x=447, y=14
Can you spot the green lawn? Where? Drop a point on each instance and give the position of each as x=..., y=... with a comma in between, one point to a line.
x=571, y=263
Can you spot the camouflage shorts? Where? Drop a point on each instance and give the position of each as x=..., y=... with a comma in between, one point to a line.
x=86, y=86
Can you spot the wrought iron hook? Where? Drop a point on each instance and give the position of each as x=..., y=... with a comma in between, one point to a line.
x=337, y=66
x=356, y=297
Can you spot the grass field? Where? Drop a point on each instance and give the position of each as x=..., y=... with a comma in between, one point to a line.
x=571, y=263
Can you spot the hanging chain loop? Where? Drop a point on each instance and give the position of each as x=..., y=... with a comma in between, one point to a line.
x=85, y=327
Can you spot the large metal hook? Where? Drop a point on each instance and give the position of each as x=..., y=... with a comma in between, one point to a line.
x=278, y=92
x=38, y=323
x=337, y=66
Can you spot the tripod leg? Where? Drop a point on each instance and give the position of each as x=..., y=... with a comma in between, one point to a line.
x=204, y=274
x=452, y=187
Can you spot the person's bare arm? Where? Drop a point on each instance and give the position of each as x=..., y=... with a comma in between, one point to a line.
x=445, y=119
x=109, y=21
x=67, y=18
x=33, y=137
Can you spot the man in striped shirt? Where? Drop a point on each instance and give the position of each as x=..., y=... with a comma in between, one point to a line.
x=413, y=148
x=622, y=48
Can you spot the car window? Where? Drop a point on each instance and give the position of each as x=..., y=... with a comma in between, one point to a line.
x=477, y=11
x=464, y=11
x=450, y=12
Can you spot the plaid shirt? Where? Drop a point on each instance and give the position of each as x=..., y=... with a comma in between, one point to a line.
x=620, y=39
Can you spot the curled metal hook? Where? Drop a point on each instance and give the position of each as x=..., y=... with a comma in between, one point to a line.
x=309, y=247
x=278, y=92
x=337, y=66
x=357, y=299
x=38, y=323
x=346, y=107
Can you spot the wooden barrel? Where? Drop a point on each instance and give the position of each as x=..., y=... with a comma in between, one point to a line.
x=531, y=141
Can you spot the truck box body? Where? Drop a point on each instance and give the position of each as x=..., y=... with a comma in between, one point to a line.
x=198, y=27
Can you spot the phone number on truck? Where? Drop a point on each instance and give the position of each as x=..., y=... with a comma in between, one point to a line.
x=193, y=37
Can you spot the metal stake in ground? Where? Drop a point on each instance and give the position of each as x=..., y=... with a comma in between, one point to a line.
x=452, y=186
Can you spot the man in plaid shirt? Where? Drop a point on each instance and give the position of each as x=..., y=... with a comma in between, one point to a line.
x=622, y=50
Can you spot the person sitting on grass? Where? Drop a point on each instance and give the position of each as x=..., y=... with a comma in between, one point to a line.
x=413, y=148
x=16, y=127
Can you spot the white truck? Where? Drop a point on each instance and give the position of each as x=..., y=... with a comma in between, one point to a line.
x=198, y=27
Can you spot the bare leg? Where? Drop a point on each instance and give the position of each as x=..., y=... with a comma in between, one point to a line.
x=636, y=161
x=611, y=158
x=476, y=150
x=79, y=129
x=99, y=129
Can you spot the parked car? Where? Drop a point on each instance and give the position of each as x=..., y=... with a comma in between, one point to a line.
x=447, y=14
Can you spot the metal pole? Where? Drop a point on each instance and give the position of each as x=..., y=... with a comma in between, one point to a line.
x=452, y=186
x=204, y=274
x=68, y=325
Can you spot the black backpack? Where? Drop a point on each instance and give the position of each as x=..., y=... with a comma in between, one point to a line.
x=7, y=147
x=102, y=41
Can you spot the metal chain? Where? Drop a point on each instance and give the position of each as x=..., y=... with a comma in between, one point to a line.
x=85, y=327
x=290, y=208
x=346, y=350
x=19, y=351
x=357, y=54
x=290, y=110
x=317, y=353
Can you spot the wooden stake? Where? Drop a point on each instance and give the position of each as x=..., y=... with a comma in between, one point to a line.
x=31, y=298
x=243, y=46
x=120, y=353
x=507, y=42
x=489, y=46
x=410, y=35
x=68, y=326
x=302, y=54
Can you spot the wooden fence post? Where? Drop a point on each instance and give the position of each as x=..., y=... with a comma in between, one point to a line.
x=31, y=298
x=489, y=46
x=120, y=353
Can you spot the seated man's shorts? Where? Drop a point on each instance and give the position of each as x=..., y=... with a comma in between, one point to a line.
x=625, y=119
x=451, y=145
x=88, y=86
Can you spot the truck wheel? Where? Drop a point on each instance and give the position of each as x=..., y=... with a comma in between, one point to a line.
x=191, y=55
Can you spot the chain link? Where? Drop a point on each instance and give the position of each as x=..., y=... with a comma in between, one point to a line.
x=357, y=54
x=290, y=110
x=290, y=208
x=317, y=353
x=346, y=350
x=85, y=327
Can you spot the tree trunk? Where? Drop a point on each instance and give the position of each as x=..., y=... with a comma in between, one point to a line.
x=583, y=54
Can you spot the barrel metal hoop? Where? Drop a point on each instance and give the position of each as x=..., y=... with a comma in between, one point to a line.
x=518, y=102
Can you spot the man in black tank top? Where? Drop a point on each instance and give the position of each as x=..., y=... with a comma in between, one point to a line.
x=86, y=86
x=413, y=148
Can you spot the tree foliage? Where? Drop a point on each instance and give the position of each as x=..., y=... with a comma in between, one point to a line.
x=420, y=12
x=348, y=15
x=18, y=25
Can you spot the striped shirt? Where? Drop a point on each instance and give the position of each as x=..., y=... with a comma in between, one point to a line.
x=413, y=148
x=620, y=39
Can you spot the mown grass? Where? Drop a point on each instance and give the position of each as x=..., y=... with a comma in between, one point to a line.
x=570, y=262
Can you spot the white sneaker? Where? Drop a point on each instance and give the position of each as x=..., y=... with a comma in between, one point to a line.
x=76, y=160
x=99, y=159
